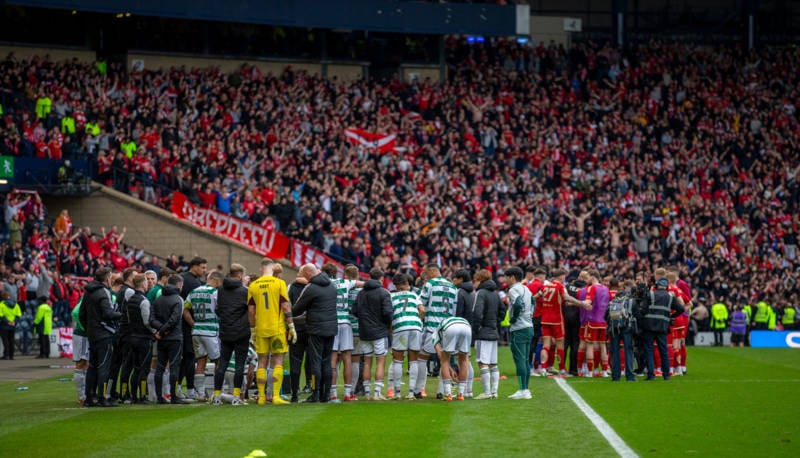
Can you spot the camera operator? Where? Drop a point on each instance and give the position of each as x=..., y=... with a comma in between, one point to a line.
x=658, y=307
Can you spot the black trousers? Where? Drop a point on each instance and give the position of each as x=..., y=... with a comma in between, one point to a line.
x=296, y=352
x=661, y=341
x=319, y=361
x=719, y=340
x=187, y=361
x=100, y=355
x=44, y=345
x=168, y=351
x=117, y=360
x=572, y=330
x=8, y=343
x=227, y=348
x=140, y=353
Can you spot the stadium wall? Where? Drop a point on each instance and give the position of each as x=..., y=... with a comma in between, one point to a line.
x=409, y=72
x=226, y=64
x=154, y=229
x=56, y=54
x=545, y=29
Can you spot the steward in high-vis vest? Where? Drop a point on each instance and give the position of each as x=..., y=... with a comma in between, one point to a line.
x=788, y=318
x=761, y=317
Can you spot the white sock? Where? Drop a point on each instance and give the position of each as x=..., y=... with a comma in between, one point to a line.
x=348, y=389
x=461, y=387
x=440, y=389
x=268, y=387
x=356, y=373
x=486, y=380
x=199, y=383
x=79, y=377
x=378, y=387
x=422, y=375
x=165, y=388
x=412, y=376
x=445, y=384
x=367, y=386
x=208, y=386
x=334, y=382
x=396, y=375
x=151, y=385
x=470, y=377
x=495, y=378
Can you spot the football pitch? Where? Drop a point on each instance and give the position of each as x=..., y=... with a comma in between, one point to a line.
x=734, y=402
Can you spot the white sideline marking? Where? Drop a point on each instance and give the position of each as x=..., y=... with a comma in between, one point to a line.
x=605, y=429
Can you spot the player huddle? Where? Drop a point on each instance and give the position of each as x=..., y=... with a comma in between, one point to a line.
x=242, y=330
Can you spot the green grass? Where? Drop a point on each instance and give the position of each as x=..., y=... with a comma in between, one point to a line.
x=735, y=402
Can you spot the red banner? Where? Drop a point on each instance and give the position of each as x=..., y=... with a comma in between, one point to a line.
x=382, y=143
x=269, y=243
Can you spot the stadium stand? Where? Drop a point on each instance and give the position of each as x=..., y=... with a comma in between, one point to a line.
x=664, y=153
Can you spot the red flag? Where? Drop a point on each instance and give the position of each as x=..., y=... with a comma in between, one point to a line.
x=382, y=143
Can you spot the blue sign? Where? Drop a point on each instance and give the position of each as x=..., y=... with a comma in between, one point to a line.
x=775, y=339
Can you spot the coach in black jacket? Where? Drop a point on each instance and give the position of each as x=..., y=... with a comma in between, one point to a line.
x=98, y=316
x=297, y=350
x=373, y=308
x=318, y=302
x=234, y=327
x=166, y=317
x=466, y=297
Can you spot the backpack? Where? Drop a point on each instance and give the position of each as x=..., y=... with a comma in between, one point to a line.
x=620, y=312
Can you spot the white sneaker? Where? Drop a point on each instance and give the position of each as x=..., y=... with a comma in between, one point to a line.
x=379, y=397
x=517, y=395
x=179, y=393
x=526, y=394
x=192, y=394
x=238, y=402
x=534, y=372
x=563, y=373
x=483, y=396
x=606, y=374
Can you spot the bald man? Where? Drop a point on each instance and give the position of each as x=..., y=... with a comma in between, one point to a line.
x=318, y=302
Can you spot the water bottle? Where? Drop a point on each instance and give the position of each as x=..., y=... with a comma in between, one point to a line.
x=22, y=388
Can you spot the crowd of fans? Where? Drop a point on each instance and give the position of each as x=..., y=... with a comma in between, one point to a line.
x=50, y=260
x=622, y=160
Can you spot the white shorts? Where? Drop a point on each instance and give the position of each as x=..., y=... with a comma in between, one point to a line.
x=80, y=348
x=486, y=351
x=206, y=346
x=408, y=340
x=375, y=347
x=427, y=343
x=457, y=339
x=343, y=341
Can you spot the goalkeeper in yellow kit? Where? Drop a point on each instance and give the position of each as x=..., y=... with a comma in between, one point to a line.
x=270, y=314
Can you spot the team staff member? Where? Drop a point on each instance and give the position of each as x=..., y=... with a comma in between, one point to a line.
x=521, y=304
x=270, y=313
x=166, y=318
x=535, y=277
x=297, y=350
x=192, y=279
x=572, y=325
x=487, y=313
x=80, y=353
x=234, y=332
x=660, y=307
x=318, y=302
x=373, y=308
x=98, y=315
x=140, y=341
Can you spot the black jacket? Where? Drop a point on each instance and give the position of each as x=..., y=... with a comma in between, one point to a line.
x=234, y=323
x=98, y=316
x=137, y=309
x=318, y=302
x=489, y=311
x=166, y=314
x=464, y=301
x=294, y=293
x=373, y=308
x=657, y=308
x=572, y=315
